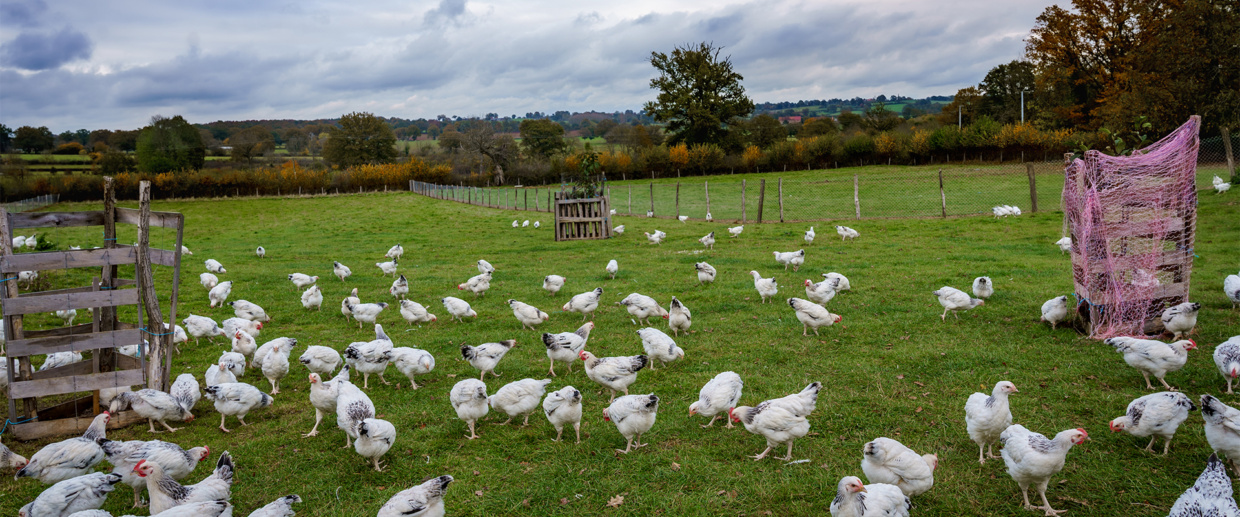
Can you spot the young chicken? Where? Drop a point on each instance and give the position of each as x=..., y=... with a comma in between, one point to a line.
x=1055, y=310
x=566, y=346
x=485, y=267
x=659, y=345
x=78, y=494
x=323, y=397
x=260, y=355
x=69, y=458
x=208, y=280
x=236, y=364
x=564, y=407
x=1065, y=244
x=708, y=240
x=519, y=398
x=986, y=417
x=260, y=252
x=613, y=373
x=1227, y=359
x=275, y=364
x=656, y=237
x=186, y=391
x=735, y=231
x=367, y=357
x=953, y=300
x=411, y=362
x=388, y=268
x=232, y=325
x=400, y=288
x=1231, y=288
x=1210, y=495
x=312, y=298
x=217, y=374
x=1156, y=415
x=425, y=500
x=458, y=308
x=477, y=284
x=10, y=459
x=888, y=461
x=320, y=359
x=1222, y=429
x=612, y=265
x=705, y=273
x=1032, y=459
x=527, y=314
x=1180, y=319
x=366, y=313
x=244, y=344
x=167, y=493
x=219, y=294
x=841, y=282
x=821, y=292
x=414, y=312
x=679, y=318
x=846, y=233
x=718, y=395
x=341, y=271
x=177, y=462
x=642, y=307
x=766, y=287
x=812, y=315
x=633, y=415
x=374, y=438
x=486, y=357
x=282, y=507
x=809, y=235
x=983, y=288
x=352, y=407
x=349, y=300
x=469, y=399
x=395, y=252
x=58, y=359
x=66, y=316
x=302, y=281
x=584, y=303
x=1153, y=357
x=553, y=283
x=154, y=406
x=618, y=230
x=852, y=499
x=790, y=258
x=245, y=309
x=779, y=423
x=236, y=399
x=214, y=266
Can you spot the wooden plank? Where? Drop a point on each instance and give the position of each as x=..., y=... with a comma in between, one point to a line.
x=164, y=257
x=68, y=370
x=160, y=219
x=67, y=259
x=56, y=219
x=74, y=342
x=124, y=362
x=1167, y=258
x=1140, y=228
x=590, y=219
x=75, y=384
x=87, y=289
x=761, y=198
x=70, y=426
x=62, y=302
x=83, y=328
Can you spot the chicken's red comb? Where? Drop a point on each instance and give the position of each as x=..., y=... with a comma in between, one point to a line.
x=139, y=465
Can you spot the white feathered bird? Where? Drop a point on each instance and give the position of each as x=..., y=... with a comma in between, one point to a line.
x=458, y=308
x=585, y=303
x=612, y=268
x=425, y=500
x=1226, y=358
x=412, y=362
x=553, y=283
x=983, y=287
x=414, y=312
x=563, y=407
x=766, y=287
x=374, y=438
x=312, y=298
x=301, y=280
x=853, y=499
x=518, y=398
x=1055, y=310
x=659, y=345
x=708, y=240
x=719, y=395
x=486, y=357
x=656, y=237
x=527, y=314
x=341, y=271
x=888, y=461
x=846, y=233
x=679, y=319
x=812, y=315
x=565, y=346
x=790, y=258
x=1155, y=415
x=634, y=415
x=642, y=307
x=953, y=300
x=987, y=416
x=705, y=272
x=469, y=399
x=735, y=231
x=219, y=294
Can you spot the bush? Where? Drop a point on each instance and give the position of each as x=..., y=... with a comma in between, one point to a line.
x=69, y=148
x=858, y=148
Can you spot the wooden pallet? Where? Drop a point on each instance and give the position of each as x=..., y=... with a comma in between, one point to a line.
x=582, y=219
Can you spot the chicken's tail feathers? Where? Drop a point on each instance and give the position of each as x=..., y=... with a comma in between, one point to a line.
x=224, y=467
x=640, y=362
x=467, y=352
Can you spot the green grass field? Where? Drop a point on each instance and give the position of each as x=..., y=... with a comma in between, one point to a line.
x=889, y=369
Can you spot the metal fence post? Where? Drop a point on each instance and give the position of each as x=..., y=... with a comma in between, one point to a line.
x=630, y=200
x=942, y=194
x=857, y=196
x=742, y=201
x=652, y=198
x=678, y=200
x=706, y=186
x=781, y=200
x=761, y=198
x=1033, y=188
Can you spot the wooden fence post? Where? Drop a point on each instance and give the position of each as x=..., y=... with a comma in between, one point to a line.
x=678, y=200
x=781, y=200
x=742, y=201
x=942, y=194
x=1033, y=188
x=652, y=198
x=1231, y=158
x=706, y=186
x=857, y=196
x=630, y=200
x=159, y=340
x=761, y=198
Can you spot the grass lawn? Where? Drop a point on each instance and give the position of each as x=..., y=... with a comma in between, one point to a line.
x=888, y=369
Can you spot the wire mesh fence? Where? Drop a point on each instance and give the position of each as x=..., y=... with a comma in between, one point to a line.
x=33, y=203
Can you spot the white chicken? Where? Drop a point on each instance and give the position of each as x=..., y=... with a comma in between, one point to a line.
x=244, y=344
x=1219, y=188
x=1222, y=429
x=178, y=463
x=585, y=303
x=642, y=307
x=1180, y=319
x=214, y=266
x=678, y=317
x=208, y=280
x=388, y=268
x=233, y=325
x=841, y=282
x=469, y=399
x=219, y=294
x=81, y=493
x=367, y=357
x=954, y=300
x=766, y=287
x=395, y=252
x=411, y=362
x=659, y=345
x=323, y=397
x=1231, y=287
x=514, y=224
x=778, y=422
x=374, y=438
x=477, y=284
x=486, y=357
x=527, y=314
x=852, y=499
x=634, y=415
x=705, y=273
x=790, y=258
x=235, y=361
x=1226, y=358
x=553, y=283
x=414, y=312
x=185, y=390
x=1065, y=244
x=735, y=231
x=458, y=308
x=186, y=251
x=275, y=364
x=167, y=493
x=983, y=288
x=312, y=298
x=485, y=267
x=888, y=461
x=656, y=237
x=236, y=399
x=366, y=313
x=69, y=458
x=718, y=395
x=216, y=374
x=709, y=217
x=1032, y=459
x=846, y=233
x=246, y=309
x=260, y=252
x=353, y=406
x=1155, y=415
x=564, y=407
x=986, y=417
x=1210, y=495
x=821, y=292
x=1153, y=357
x=519, y=398
x=66, y=316
x=1055, y=310
x=58, y=359
x=566, y=346
x=613, y=373
x=10, y=459
x=682, y=218
x=341, y=271
x=618, y=230
x=19, y=241
x=650, y=213
x=425, y=500
x=302, y=281
x=812, y=315
x=708, y=240
x=400, y=287
x=282, y=507
x=612, y=268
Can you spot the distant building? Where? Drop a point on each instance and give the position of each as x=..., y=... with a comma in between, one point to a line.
x=795, y=119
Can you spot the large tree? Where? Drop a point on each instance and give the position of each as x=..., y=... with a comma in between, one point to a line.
x=1001, y=91
x=699, y=94
x=361, y=138
x=542, y=137
x=32, y=139
x=170, y=144
x=6, y=138
x=251, y=142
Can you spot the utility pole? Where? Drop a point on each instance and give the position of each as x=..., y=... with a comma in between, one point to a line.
x=960, y=117
x=1022, y=106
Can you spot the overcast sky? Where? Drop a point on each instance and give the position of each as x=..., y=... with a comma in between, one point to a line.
x=71, y=64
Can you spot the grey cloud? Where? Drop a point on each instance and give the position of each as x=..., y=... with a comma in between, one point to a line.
x=42, y=51
x=448, y=11
x=22, y=13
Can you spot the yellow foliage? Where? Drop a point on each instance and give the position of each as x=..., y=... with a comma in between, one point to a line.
x=751, y=156
x=885, y=144
x=920, y=143
x=679, y=155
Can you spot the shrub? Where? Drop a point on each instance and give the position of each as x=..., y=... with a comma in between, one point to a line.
x=69, y=148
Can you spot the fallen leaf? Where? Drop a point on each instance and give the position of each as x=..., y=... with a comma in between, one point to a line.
x=525, y=503
x=615, y=502
x=563, y=501
x=919, y=409
x=675, y=466
x=901, y=376
x=919, y=384
x=721, y=492
x=476, y=473
x=478, y=493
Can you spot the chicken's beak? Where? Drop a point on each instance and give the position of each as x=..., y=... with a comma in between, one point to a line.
x=692, y=411
x=1111, y=424
x=862, y=489
x=1193, y=345
x=189, y=418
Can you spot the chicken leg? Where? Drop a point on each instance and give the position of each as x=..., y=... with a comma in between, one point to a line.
x=551, y=371
x=577, y=428
x=222, y=428
x=789, y=456
x=472, y=435
x=385, y=381
x=137, y=498
x=275, y=388
x=318, y=417
x=712, y=422
x=1046, y=505
x=526, y=423
x=763, y=455
x=376, y=463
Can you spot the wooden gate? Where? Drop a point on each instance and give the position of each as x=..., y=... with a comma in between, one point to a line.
x=581, y=219
x=103, y=335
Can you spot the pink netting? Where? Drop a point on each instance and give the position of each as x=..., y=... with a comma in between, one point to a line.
x=1132, y=221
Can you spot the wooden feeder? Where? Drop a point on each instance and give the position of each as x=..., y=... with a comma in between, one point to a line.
x=582, y=219
x=29, y=418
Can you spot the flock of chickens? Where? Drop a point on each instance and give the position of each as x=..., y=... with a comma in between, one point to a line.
x=895, y=472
